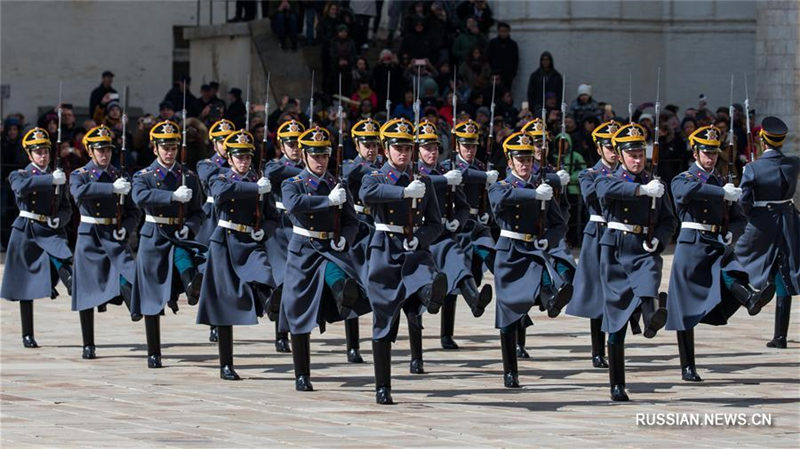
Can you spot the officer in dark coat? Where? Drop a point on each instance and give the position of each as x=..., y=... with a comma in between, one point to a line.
x=290, y=164
x=562, y=257
x=366, y=135
x=321, y=284
x=402, y=272
x=169, y=195
x=587, y=299
x=769, y=249
x=446, y=249
x=707, y=284
x=474, y=235
x=525, y=272
x=38, y=253
x=206, y=169
x=630, y=264
x=238, y=278
x=104, y=267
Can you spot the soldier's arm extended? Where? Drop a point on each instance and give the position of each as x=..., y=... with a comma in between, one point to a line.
x=224, y=190
x=586, y=179
x=296, y=201
x=503, y=194
x=612, y=187
x=473, y=176
x=667, y=222
x=194, y=209
x=686, y=188
x=81, y=189
x=374, y=191
x=432, y=226
x=747, y=185
x=23, y=183
x=145, y=196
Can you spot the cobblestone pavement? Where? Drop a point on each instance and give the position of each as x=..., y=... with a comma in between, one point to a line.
x=53, y=398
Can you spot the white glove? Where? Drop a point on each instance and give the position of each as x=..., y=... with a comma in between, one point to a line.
x=414, y=190
x=59, y=178
x=544, y=192
x=264, y=186
x=121, y=186
x=491, y=177
x=53, y=222
x=183, y=233
x=451, y=225
x=410, y=245
x=728, y=239
x=732, y=193
x=337, y=196
x=339, y=246
x=453, y=177
x=652, y=247
x=563, y=176
x=484, y=219
x=119, y=234
x=257, y=235
x=182, y=195
x=542, y=244
x=652, y=189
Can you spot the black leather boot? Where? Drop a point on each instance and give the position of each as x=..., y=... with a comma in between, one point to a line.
x=616, y=371
x=448, y=322
x=432, y=295
x=520, y=345
x=125, y=290
x=508, y=345
x=281, y=340
x=382, y=354
x=273, y=305
x=783, y=307
x=191, y=280
x=152, y=326
x=262, y=293
x=26, y=318
x=351, y=339
x=598, y=343
x=636, y=329
x=226, y=371
x=686, y=353
x=345, y=293
x=65, y=274
x=555, y=300
x=87, y=331
x=415, y=343
x=752, y=300
x=654, y=314
x=477, y=301
x=301, y=355
x=213, y=335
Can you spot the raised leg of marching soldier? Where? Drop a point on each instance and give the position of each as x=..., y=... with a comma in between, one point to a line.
x=630, y=260
x=37, y=254
x=401, y=267
x=769, y=185
x=587, y=299
x=166, y=255
x=707, y=283
x=238, y=281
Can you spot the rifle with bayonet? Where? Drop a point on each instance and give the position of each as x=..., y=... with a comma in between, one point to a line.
x=652, y=218
x=726, y=211
x=183, y=158
x=752, y=151
x=451, y=192
x=484, y=205
x=54, y=202
x=413, y=158
x=122, y=155
x=542, y=168
x=337, y=168
x=262, y=160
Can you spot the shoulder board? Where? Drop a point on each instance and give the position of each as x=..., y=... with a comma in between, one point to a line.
x=144, y=171
x=502, y=182
x=22, y=170
x=376, y=173
x=80, y=171
x=295, y=179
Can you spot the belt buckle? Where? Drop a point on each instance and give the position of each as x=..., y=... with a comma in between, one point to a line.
x=240, y=227
x=323, y=235
x=527, y=237
x=367, y=210
x=637, y=229
x=715, y=228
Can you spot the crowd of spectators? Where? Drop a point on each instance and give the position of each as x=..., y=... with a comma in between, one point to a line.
x=429, y=38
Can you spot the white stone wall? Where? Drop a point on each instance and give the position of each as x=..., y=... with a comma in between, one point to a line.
x=44, y=42
x=697, y=44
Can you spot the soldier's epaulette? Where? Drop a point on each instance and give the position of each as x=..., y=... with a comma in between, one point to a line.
x=502, y=182
x=376, y=173
x=295, y=179
x=80, y=171
x=144, y=171
x=590, y=170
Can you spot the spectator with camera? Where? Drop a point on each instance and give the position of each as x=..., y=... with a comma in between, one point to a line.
x=101, y=95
